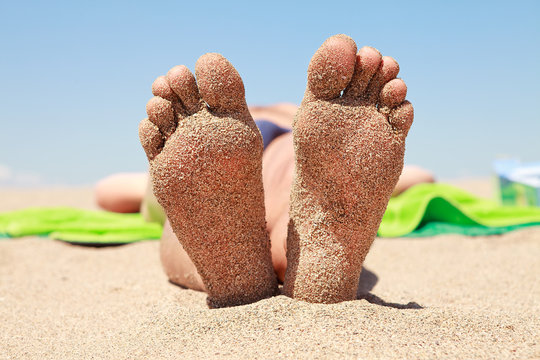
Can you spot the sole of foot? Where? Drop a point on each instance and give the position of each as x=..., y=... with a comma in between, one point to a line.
x=205, y=155
x=349, y=139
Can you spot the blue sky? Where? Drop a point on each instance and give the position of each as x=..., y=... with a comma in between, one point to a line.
x=75, y=76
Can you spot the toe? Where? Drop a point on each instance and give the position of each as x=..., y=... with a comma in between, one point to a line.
x=220, y=84
x=160, y=113
x=393, y=93
x=387, y=71
x=161, y=88
x=368, y=61
x=184, y=85
x=401, y=117
x=151, y=138
x=332, y=67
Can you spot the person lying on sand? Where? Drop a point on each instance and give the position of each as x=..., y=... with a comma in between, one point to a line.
x=326, y=183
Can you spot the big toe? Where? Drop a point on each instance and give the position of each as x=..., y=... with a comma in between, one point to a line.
x=220, y=85
x=332, y=67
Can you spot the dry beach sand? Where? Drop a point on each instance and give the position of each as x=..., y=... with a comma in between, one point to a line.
x=442, y=297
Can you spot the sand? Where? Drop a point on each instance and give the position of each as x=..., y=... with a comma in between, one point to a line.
x=449, y=297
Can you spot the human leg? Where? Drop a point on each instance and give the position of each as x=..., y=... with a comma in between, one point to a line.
x=176, y=262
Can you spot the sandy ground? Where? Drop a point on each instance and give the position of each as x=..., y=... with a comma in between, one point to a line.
x=449, y=297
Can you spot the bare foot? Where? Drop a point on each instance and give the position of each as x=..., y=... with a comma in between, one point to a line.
x=349, y=140
x=205, y=156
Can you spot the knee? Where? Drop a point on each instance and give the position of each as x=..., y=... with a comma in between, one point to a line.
x=412, y=175
x=418, y=174
x=122, y=193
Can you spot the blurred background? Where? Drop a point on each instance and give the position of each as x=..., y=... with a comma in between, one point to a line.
x=75, y=76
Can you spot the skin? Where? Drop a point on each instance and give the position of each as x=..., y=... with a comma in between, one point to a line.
x=359, y=92
x=373, y=106
x=278, y=168
x=122, y=193
x=205, y=156
x=349, y=141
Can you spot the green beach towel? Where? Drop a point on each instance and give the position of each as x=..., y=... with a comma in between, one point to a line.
x=78, y=226
x=433, y=209
x=423, y=210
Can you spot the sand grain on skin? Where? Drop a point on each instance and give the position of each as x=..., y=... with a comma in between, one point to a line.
x=348, y=157
x=208, y=178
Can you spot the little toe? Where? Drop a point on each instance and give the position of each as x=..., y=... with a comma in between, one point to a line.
x=220, y=84
x=401, y=117
x=368, y=61
x=332, y=67
x=183, y=83
x=160, y=112
x=161, y=88
x=392, y=94
x=387, y=71
x=151, y=138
